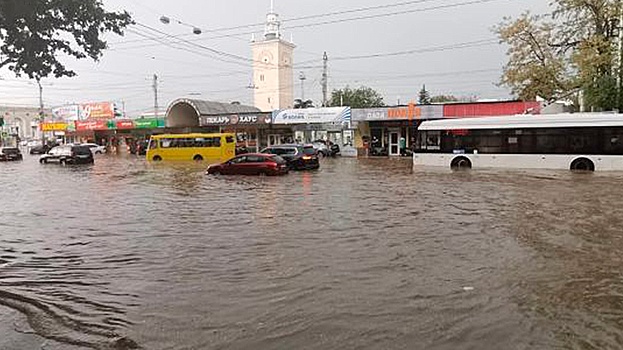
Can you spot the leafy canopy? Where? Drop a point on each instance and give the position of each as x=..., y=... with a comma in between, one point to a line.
x=34, y=33
x=361, y=97
x=573, y=49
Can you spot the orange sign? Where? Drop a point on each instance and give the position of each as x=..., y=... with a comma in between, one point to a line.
x=53, y=126
x=409, y=112
x=99, y=110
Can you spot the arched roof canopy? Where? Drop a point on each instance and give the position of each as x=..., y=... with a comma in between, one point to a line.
x=184, y=112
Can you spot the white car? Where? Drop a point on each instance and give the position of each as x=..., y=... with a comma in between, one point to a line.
x=95, y=148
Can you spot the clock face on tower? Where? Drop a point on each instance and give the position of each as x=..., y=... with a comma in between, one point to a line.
x=266, y=56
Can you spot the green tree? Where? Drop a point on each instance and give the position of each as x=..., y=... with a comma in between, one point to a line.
x=36, y=34
x=443, y=98
x=573, y=49
x=424, y=96
x=361, y=97
x=298, y=103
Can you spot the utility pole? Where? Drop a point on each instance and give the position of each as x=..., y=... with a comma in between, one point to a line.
x=325, y=59
x=155, y=86
x=302, y=79
x=41, y=113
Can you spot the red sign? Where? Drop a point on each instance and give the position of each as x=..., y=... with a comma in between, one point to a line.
x=124, y=124
x=89, y=125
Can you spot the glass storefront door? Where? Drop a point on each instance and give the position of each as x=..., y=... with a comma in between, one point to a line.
x=394, y=143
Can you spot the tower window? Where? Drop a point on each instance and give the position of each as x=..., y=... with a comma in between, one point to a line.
x=269, y=100
x=262, y=77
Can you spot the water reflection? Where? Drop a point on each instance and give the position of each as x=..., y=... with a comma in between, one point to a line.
x=362, y=254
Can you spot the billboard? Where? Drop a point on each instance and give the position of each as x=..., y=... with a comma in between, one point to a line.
x=335, y=115
x=235, y=119
x=410, y=112
x=67, y=113
x=90, y=125
x=97, y=110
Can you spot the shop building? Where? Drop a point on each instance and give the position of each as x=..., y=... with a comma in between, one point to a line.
x=390, y=131
x=307, y=125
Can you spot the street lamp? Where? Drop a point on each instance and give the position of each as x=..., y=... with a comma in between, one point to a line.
x=167, y=20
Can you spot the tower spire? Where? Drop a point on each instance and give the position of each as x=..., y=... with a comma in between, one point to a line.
x=272, y=28
x=272, y=6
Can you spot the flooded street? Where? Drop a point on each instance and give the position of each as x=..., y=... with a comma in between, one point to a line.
x=363, y=254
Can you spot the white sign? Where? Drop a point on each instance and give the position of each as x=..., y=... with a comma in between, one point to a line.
x=67, y=113
x=334, y=115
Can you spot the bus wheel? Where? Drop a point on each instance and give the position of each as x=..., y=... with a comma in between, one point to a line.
x=582, y=164
x=157, y=158
x=459, y=163
x=198, y=158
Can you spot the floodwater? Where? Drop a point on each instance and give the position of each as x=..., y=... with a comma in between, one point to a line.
x=363, y=254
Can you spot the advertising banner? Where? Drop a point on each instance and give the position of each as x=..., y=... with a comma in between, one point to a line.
x=410, y=112
x=90, y=125
x=98, y=110
x=235, y=119
x=53, y=126
x=123, y=124
x=148, y=123
x=334, y=115
x=67, y=113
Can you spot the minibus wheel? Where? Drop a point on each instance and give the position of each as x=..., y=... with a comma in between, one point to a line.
x=459, y=163
x=582, y=164
x=157, y=158
x=198, y=158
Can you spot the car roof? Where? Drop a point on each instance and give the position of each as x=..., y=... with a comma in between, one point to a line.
x=290, y=145
x=257, y=154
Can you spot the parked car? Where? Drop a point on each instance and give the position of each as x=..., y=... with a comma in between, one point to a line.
x=10, y=153
x=68, y=154
x=299, y=157
x=95, y=148
x=40, y=149
x=326, y=148
x=251, y=164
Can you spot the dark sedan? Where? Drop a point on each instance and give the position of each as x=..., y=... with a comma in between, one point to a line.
x=10, y=153
x=251, y=164
x=299, y=157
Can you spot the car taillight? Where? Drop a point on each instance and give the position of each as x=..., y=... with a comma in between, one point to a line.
x=307, y=157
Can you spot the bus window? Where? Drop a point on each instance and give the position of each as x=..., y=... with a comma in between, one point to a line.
x=229, y=139
x=153, y=144
x=165, y=143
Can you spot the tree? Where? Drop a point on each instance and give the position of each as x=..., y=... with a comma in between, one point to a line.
x=443, y=98
x=298, y=103
x=35, y=34
x=361, y=97
x=424, y=96
x=573, y=49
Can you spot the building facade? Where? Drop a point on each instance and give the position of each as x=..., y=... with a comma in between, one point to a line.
x=273, y=79
x=21, y=121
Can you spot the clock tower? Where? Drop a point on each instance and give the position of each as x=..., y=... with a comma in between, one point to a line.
x=273, y=78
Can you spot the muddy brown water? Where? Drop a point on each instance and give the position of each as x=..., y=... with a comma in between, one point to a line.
x=363, y=254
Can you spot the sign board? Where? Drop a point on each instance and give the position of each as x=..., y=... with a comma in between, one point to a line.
x=335, y=115
x=123, y=124
x=148, y=123
x=235, y=119
x=90, y=125
x=410, y=112
x=67, y=113
x=98, y=110
x=53, y=126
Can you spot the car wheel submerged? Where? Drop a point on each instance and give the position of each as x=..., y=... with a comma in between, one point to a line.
x=157, y=158
x=198, y=158
x=43, y=161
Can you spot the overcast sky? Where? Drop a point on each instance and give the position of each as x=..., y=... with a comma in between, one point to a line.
x=446, y=44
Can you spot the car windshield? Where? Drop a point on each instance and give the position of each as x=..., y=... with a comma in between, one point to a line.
x=309, y=150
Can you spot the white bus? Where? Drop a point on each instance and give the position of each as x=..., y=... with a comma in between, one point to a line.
x=579, y=141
